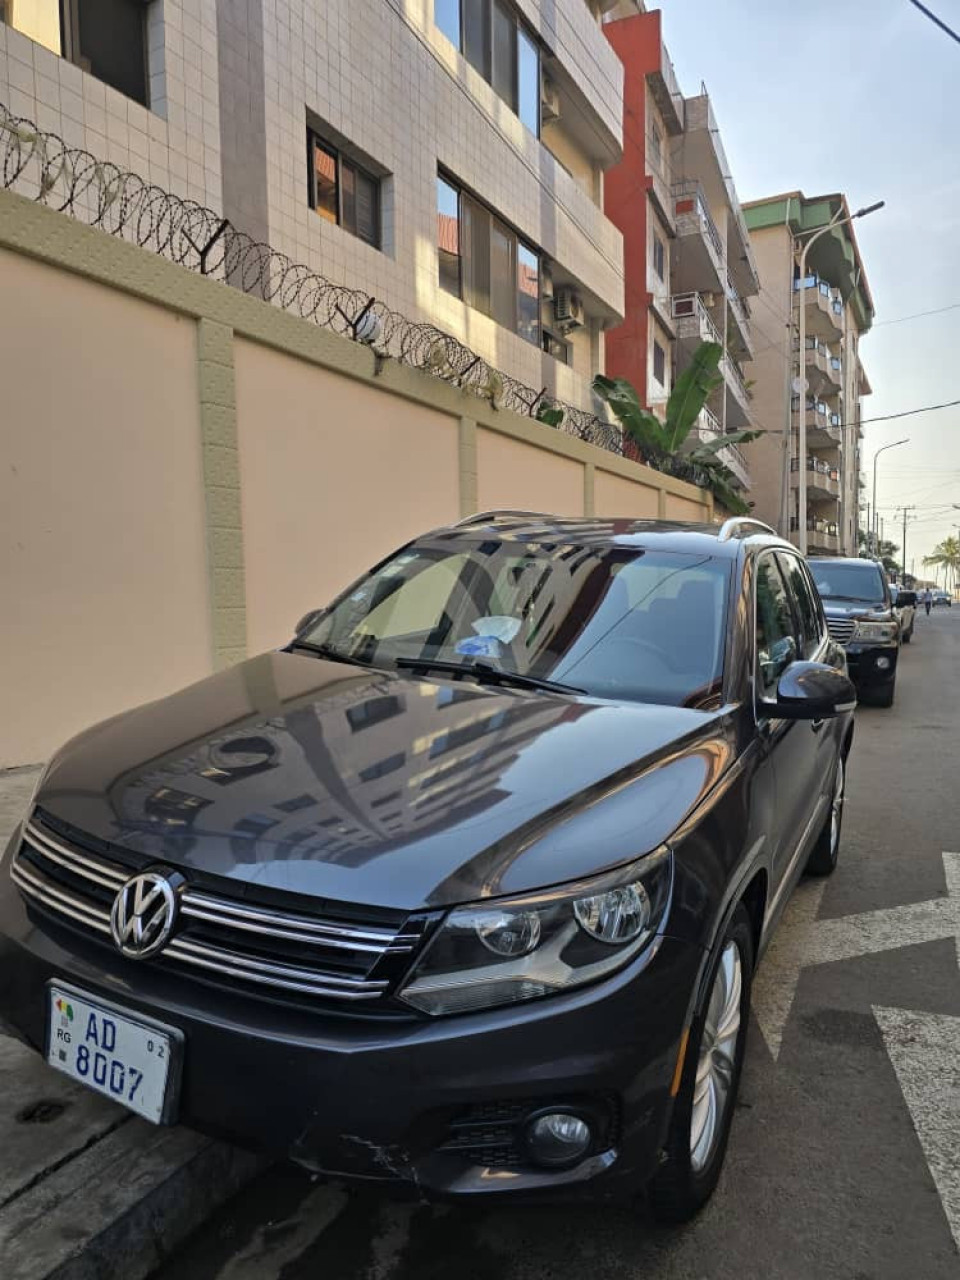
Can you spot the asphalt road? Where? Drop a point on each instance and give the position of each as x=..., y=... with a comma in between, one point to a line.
x=845, y=1154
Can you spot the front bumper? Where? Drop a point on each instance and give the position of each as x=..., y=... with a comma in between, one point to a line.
x=872, y=666
x=436, y=1105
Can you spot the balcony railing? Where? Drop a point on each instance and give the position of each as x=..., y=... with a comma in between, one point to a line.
x=739, y=306
x=689, y=199
x=824, y=288
x=827, y=527
x=695, y=319
x=819, y=466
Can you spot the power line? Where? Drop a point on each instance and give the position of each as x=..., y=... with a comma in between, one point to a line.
x=933, y=18
x=909, y=413
x=918, y=315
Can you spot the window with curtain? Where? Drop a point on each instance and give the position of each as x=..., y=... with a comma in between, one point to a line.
x=343, y=192
x=483, y=261
x=494, y=40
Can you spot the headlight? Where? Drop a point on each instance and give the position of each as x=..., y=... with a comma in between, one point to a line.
x=875, y=631
x=522, y=948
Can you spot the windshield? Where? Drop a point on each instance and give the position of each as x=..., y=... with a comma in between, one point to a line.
x=615, y=622
x=860, y=582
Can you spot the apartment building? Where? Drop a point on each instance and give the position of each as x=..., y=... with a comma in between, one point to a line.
x=688, y=261
x=825, y=383
x=445, y=155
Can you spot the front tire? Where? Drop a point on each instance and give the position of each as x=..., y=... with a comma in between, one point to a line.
x=823, y=856
x=703, y=1111
x=885, y=697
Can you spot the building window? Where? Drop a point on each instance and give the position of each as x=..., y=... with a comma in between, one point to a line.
x=343, y=192
x=556, y=347
x=494, y=41
x=105, y=37
x=656, y=147
x=484, y=262
x=659, y=258
x=659, y=364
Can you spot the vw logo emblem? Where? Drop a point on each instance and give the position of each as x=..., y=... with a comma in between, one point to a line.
x=143, y=915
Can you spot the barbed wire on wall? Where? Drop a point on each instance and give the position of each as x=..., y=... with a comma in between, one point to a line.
x=40, y=165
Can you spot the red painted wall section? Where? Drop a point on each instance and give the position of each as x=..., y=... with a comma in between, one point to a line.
x=637, y=42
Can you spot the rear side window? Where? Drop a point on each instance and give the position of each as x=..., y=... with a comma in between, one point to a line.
x=806, y=606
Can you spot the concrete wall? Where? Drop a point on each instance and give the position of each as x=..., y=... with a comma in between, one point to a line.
x=187, y=470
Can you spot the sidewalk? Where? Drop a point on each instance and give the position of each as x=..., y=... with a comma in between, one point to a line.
x=87, y=1190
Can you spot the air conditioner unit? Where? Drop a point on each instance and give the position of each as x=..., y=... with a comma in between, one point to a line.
x=567, y=308
x=549, y=102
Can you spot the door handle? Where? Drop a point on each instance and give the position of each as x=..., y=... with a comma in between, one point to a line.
x=817, y=725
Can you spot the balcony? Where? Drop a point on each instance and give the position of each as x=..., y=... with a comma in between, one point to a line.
x=699, y=261
x=822, y=535
x=824, y=370
x=694, y=323
x=824, y=425
x=822, y=480
x=739, y=416
x=706, y=428
x=824, y=307
x=739, y=328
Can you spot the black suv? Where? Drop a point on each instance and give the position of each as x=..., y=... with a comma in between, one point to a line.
x=862, y=617
x=463, y=889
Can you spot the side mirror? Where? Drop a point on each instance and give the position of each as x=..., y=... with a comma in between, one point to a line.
x=905, y=599
x=308, y=620
x=813, y=691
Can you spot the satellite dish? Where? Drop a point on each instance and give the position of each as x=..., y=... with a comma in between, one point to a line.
x=799, y=384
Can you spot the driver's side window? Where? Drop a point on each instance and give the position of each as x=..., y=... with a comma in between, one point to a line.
x=777, y=643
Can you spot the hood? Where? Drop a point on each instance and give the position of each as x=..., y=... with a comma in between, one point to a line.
x=296, y=774
x=837, y=607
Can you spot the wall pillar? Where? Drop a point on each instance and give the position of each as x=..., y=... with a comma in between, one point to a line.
x=221, y=482
x=468, y=466
x=589, y=489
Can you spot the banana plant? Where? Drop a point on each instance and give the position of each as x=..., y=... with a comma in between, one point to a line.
x=661, y=441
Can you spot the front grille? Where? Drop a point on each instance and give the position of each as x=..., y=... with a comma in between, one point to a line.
x=841, y=629
x=225, y=939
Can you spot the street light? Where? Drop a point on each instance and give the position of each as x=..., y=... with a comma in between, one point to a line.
x=875, y=547
x=836, y=221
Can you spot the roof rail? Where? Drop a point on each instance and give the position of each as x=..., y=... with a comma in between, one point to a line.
x=735, y=523
x=480, y=516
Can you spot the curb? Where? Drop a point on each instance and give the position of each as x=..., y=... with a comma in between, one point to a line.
x=118, y=1208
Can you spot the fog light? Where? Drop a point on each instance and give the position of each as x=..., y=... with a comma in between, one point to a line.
x=558, y=1139
x=883, y=663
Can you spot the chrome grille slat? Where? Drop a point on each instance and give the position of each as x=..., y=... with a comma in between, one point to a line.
x=841, y=629
x=37, y=868
x=292, y=928
x=82, y=864
x=59, y=899
x=265, y=970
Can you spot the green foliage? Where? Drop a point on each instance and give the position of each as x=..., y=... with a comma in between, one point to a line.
x=552, y=417
x=660, y=442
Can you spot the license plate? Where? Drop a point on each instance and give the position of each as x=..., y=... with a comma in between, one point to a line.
x=113, y=1051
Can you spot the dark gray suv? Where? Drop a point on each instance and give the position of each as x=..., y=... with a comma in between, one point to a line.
x=465, y=888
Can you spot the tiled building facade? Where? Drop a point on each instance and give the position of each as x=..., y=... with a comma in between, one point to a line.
x=344, y=133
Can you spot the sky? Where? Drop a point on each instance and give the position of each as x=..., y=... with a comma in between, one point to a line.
x=859, y=96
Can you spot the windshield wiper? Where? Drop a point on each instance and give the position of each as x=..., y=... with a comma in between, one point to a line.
x=485, y=673
x=328, y=651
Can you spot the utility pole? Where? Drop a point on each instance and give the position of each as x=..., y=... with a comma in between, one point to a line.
x=883, y=447
x=903, y=548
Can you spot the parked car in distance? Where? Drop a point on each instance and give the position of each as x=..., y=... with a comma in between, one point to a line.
x=463, y=889
x=941, y=597
x=861, y=617
x=905, y=606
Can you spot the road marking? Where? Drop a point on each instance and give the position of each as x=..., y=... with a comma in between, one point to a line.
x=925, y=1051
x=803, y=940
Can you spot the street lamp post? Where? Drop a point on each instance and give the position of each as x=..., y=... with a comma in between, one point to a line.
x=836, y=221
x=874, y=545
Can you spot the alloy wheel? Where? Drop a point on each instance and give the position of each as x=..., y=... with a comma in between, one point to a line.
x=718, y=1053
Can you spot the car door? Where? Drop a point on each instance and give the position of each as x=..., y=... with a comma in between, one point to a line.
x=793, y=745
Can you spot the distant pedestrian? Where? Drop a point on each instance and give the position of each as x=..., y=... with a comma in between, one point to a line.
x=927, y=598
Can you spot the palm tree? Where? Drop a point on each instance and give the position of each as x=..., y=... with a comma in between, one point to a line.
x=946, y=555
x=660, y=442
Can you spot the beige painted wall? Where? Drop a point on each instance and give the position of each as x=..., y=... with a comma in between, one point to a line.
x=516, y=476
x=617, y=496
x=102, y=551
x=333, y=476
x=678, y=508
